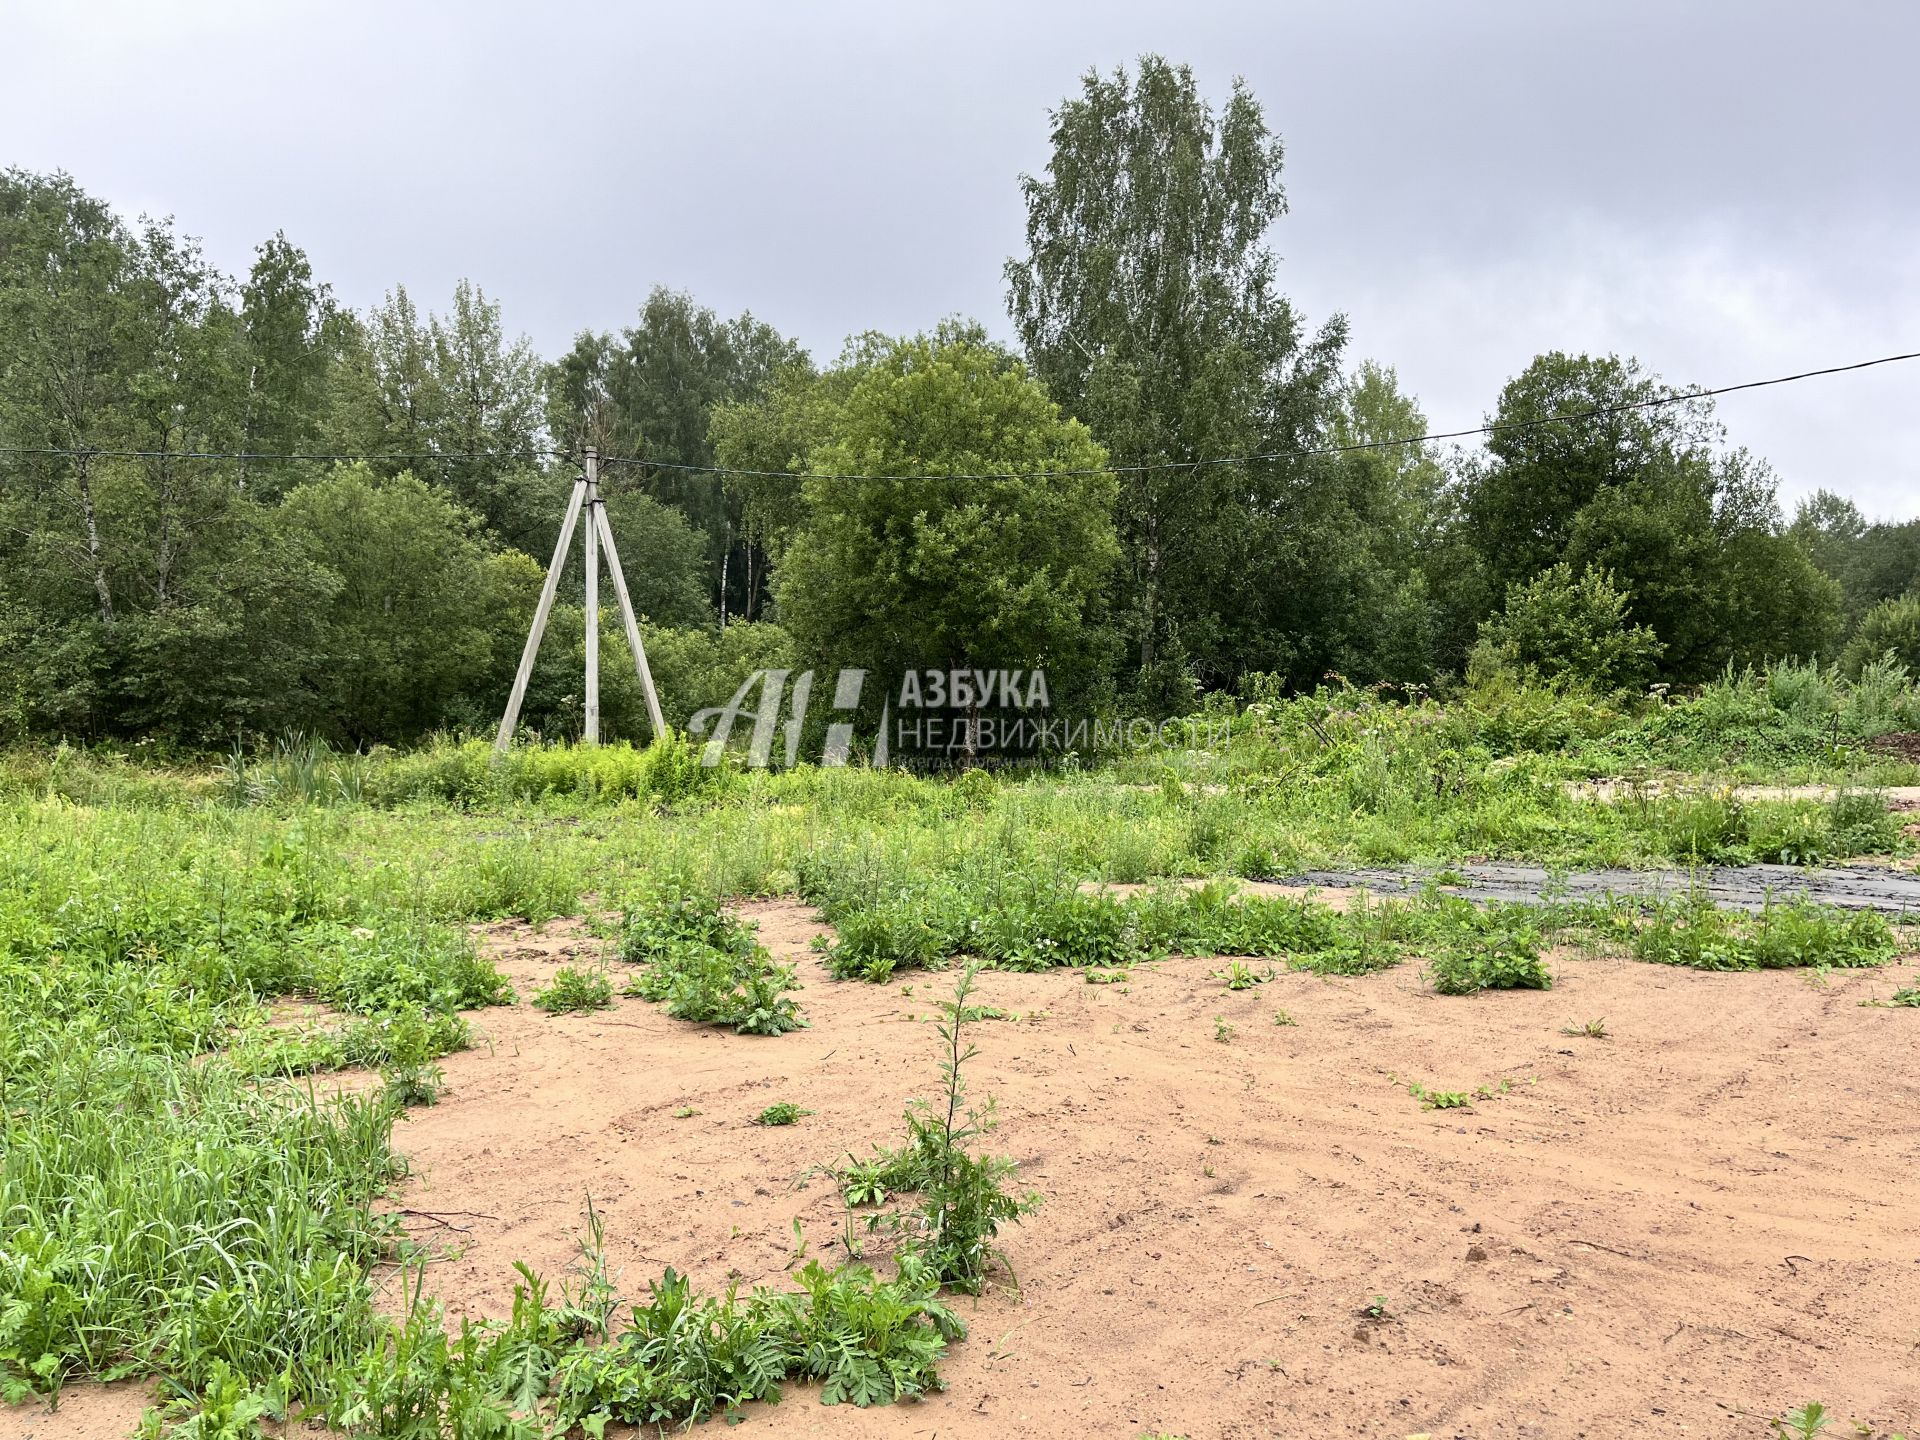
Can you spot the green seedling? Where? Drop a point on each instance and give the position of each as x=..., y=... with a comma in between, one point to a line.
x=576, y=991
x=782, y=1113
x=1439, y=1099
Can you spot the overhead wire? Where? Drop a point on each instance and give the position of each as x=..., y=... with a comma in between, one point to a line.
x=1678, y=397
x=1303, y=452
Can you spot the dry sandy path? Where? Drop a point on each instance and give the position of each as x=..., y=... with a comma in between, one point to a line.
x=1706, y=1218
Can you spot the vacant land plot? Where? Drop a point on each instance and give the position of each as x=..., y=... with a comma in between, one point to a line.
x=431, y=1098
x=1691, y=1219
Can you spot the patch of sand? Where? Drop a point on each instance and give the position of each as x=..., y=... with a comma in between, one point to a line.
x=1704, y=1219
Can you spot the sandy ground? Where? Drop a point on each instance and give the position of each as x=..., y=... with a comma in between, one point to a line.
x=1704, y=1219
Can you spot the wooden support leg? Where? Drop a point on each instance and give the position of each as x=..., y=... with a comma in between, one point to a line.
x=539, y=628
x=633, y=625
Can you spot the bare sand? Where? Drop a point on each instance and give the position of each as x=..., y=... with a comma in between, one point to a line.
x=1700, y=1221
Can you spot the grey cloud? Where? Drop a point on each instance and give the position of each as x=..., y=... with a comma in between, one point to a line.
x=1724, y=189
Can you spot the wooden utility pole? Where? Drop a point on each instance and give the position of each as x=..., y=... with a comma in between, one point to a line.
x=599, y=535
x=591, y=731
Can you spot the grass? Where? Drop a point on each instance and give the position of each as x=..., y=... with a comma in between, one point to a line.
x=575, y=991
x=1691, y=931
x=706, y=966
x=179, y=1199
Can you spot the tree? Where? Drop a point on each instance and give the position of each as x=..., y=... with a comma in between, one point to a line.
x=1373, y=607
x=135, y=554
x=1557, y=628
x=654, y=392
x=293, y=334
x=1541, y=473
x=418, y=616
x=1691, y=532
x=769, y=441
x=1871, y=562
x=1148, y=307
x=1891, y=628
x=65, y=298
x=663, y=559
x=897, y=574
x=452, y=387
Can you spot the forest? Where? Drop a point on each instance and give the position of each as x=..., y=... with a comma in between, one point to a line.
x=231, y=506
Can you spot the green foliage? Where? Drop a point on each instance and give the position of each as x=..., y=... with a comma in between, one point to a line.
x=963, y=1199
x=1149, y=307
x=935, y=574
x=170, y=1206
x=1889, y=631
x=1807, y=1423
x=1494, y=949
x=1691, y=931
x=1689, y=532
x=226, y=1409
x=1238, y=977
x=468, y=775
x=410, y=1085
x=783, y=1112
x=1559, y=628
x=1440, y=1099
x=686, y=1357
x=576, y=991
x=658, y=389
x=414, y=620
x=706, y=966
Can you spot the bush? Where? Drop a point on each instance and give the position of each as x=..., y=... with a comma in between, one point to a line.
x=706, y=966
x=576, y=991
x=1557, y=628
x=1494, y=949
x=1890, y=630
x=1690, y=931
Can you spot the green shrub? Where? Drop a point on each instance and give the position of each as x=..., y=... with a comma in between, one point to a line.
x=706, y=966
x=784, y=1112
x=1859, y=823
x=1558, y=628
x=1692, y=931
x=1889, y=631
x=1494, y=949
x=576, y=991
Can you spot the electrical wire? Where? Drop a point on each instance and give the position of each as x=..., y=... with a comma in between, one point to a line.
x=677, y=467
x=1677, y=398
x=441, y=455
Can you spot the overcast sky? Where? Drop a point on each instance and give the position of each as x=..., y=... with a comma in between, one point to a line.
x=1726, y=190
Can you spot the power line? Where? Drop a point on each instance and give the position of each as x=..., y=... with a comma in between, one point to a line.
x=1677, y=398
x=1596, y=412
x=263, y=455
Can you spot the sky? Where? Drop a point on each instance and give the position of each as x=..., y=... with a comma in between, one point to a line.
x=1726, y=189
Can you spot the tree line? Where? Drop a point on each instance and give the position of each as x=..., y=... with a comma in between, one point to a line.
x=163, y=576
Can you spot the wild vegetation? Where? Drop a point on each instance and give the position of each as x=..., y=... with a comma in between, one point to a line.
x=168, y=572
x=265, y=569
x=183, y=1198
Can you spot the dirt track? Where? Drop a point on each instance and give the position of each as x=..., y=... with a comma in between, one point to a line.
x=1700, y=1221
x=1891, y=891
